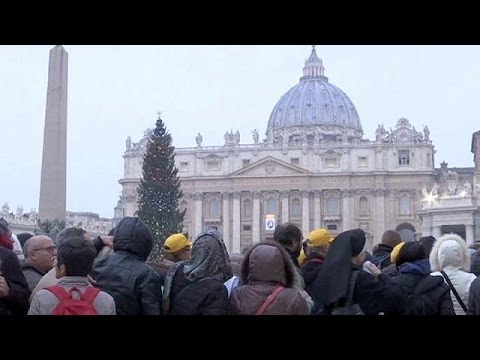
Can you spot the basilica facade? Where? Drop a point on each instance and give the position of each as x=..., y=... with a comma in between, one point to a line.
x=314, y=168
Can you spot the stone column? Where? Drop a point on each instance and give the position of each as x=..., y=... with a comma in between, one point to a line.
x=469, y=237
x=347, y=209
x=379, y=214
x=284, y=195
x=256, y=217
x=305, y=212
x=226, y=220
x=198, y=197
x=317, y=215
x=236, y=222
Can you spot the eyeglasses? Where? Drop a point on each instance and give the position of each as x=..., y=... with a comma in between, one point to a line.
x=48, y=248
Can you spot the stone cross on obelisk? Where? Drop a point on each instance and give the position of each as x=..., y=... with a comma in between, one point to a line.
x=53, y=184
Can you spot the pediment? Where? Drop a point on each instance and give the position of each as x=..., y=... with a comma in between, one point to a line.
x=212, y=157
x=270, y=166
x=330, y=152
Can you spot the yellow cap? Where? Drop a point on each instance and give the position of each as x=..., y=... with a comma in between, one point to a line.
x=319, y=237
x=175, y=243
x=395, y=252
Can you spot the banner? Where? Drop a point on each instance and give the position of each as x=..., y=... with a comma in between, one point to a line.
x=270, y=222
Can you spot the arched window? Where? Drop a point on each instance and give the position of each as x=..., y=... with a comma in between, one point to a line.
x=271, y=206
x=332, y=205
x=214, y=208
x=184, y=206
x=363, y=205
x=405, y=205
x=247, y=208
x=296, y=209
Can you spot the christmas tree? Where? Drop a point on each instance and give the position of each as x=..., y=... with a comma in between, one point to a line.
x=159, y=189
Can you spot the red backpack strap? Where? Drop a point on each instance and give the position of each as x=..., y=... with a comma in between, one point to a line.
x=269, y=300
x=90, y=294
x=59, y=292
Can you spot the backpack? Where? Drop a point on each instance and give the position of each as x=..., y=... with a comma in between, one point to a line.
x=68, y=305
x=420, y=303
x=350, y=308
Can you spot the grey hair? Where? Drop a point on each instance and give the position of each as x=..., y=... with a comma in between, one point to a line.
x=68, y=233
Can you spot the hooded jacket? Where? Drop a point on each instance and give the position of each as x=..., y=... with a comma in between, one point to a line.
x=135, y=286
x=450, y=254
x=267, y=266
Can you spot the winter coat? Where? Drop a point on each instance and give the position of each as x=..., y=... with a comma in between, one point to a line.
x=310, y=269
x=379, y=295
x=451, y=254
x=32, y=275
x=135, y=286
x=475, y=260
x=383, y=252
x=267, y=266
x=431, y=288
x=16, y=303
x=205, y=296
x=162, y=267
x=474, y=298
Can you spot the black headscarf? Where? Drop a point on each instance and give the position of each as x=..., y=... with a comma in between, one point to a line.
x=209, y=259
x=334, y=276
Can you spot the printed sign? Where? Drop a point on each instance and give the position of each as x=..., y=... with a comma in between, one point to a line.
x=270, y=222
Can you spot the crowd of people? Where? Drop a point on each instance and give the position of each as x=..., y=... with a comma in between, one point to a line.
x=289, y=275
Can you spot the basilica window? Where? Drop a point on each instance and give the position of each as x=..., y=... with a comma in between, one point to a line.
x=429, y=159
x=331, y=162
x=247, y=208
x=403, y=157
x=184, y=166
x=405, y=205
x=213, y=165
x=271, y=206
x=296, y=209
x=363, y=205
x=214, y=208
x=332, y=206
x=246, y=162
x=362, y=161
x=295, y=161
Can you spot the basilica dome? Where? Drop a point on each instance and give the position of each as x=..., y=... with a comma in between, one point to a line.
x=315, y=104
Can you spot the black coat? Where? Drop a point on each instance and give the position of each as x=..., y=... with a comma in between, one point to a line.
x=475, y=263
x=382, y=253
x=16, y=303
x=374, y=296
x=431, y=292
x=310, y=270
x=379, y=295
x=474, y=298
x=135, y=286
x=206, y=296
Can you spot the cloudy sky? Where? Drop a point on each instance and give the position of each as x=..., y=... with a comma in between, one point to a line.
x=116, y=91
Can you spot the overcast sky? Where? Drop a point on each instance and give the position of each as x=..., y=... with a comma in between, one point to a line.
x=116, y=91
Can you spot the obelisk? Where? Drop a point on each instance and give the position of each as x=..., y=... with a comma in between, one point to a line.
x=53, y=184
